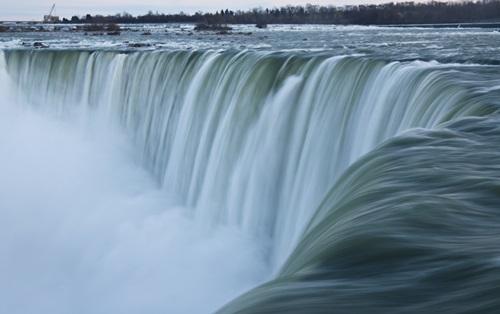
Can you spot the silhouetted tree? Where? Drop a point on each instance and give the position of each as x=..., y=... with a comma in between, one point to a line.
x=388, y=13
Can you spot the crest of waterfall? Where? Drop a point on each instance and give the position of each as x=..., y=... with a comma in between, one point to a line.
x=249, y=139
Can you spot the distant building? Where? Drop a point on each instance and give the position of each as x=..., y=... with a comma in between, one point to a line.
x=51, y=19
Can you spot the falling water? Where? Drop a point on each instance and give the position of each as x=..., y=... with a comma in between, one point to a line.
x=247, y=139
x=252, y=140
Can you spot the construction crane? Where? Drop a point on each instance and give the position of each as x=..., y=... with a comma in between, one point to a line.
x=51, y=18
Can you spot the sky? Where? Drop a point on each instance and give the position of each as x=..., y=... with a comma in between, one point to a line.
x=35, y=9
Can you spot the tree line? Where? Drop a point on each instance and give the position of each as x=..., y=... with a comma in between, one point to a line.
x=382, y=14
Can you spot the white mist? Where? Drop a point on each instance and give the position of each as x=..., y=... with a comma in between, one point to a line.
x=83, y=229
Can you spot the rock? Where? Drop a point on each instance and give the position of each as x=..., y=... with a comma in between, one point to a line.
x=212, y=27
x=40, y=45
x=139, y=45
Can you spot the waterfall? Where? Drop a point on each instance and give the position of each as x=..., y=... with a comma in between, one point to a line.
x=409, y=228
x=249, y=139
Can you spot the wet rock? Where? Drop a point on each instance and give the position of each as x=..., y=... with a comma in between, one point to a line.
x=139, y=45
x=40, y=45
x=212, y=27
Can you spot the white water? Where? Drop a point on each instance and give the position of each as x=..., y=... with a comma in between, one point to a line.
x=243, y=140
x=246, y=139
x=84, y=229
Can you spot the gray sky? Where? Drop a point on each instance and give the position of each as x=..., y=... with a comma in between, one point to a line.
x=35, y=9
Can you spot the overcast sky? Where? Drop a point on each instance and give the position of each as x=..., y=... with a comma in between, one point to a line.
x=35, y=9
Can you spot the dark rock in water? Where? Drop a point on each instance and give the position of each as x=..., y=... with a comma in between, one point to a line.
x=261, y=25
x=139, y=45
x=110, y=27
x=212, y=27
x=201, y=27
x=116, y=33
x=146, y=34
x=39, y=45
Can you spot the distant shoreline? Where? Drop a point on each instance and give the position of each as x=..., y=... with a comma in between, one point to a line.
x=484, y=14
x=448, y=25
x=424, y=25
